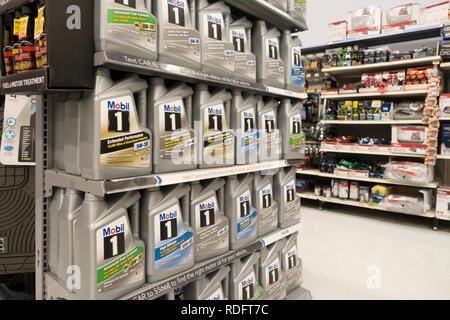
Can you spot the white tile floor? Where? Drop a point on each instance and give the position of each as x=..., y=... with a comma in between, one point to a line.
x=352, y=253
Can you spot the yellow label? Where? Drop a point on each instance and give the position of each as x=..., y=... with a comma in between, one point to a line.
x=39, y=23
x=16, y=27
x=41, y=12
x=23, y=27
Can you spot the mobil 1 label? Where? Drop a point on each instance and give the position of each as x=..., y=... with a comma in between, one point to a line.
x=115, y=264
x=291, y=202
x=173, y=245
x=123, y=143
x=291, y=262
x=274, y=281
x=246, y=216
x=217, y=137
x=296, y=138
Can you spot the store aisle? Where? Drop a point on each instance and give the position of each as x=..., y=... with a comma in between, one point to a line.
x=367, y=255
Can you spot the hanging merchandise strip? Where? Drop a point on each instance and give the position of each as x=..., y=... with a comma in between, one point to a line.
x=431, y=116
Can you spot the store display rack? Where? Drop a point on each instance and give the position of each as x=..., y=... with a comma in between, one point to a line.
x=58, y=178
x=375, y=153
x=312, y=196
x=317, y=173
x=387, y=94
x=152, y=291
x=366, y=122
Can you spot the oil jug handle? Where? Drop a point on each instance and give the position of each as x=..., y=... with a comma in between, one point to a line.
x=148, y=4
x=142, y=107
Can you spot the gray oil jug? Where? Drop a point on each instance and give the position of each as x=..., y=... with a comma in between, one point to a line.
x=297, y=9
x=272, y=276
x=72, y=127
x=270, y=136
x=178, y=40
x=270, y=68
x=126, y=27
x=240, y=210
x=243, y=121
x=288, y=201
x=292, y=57
x=107, y=247
x=68, y=214
x=244, y=279
x=114, y=140
x=164, y=227
x=280, y=4
x=217, y=52
x=212, y=119
x=169, y=119
x=211, y=227
x=265, y=203
x=213, y=286
x=291, y=262
x=244, y=60
x=53, y=240
x=290, y=120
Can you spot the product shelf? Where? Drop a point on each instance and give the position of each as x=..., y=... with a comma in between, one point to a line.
x=376, y=153
x=147, y=67
x=443, y=156
x=263, y=10
x=445, y=66
x=58, y=178
x=388, y=94
x=384, y=65
x=299, y=294
x=366, y=122
x=380, y=39
x=313, y=172
x=312, y=196
x=7, y=5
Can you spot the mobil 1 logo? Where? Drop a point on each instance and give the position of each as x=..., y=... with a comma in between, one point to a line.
x=273, y=48
x=176, y=12
x=172, y=117
x=296, y=124
x=214, y=26
x=248, y=287
x=290, y=194
x=297, y=56
x=207, y=216
x=238, y=40
x=118, y=116
x=168, y=225
x=113, y=240
x=244, y=205
x=267, y=200
x=215, y=118
x=128, y=3
x=269, y=122
x=273, y=270
x=248, y=117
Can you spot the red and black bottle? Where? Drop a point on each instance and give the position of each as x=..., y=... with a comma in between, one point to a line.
x=8, y=57
x=27, y=52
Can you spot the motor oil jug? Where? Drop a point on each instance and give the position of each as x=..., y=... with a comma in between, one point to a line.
x=107, y=248
x=53, y=241
x=114, y=140
x=280, y=4
x=292, y=57
x=165, y=230
x=270, y=135
x=266, y=205
x=59, y=127
x=240, y=34
x=69, y=212
x=211, y=227
x=72, y=127
x=290, y=120
x=297, y=9
x=213, y=286
x=215, y=147
x=169, y=119
x=178, y=40
x=291, y=263
x=243, y=121
x=244, y=279
x=126, y=27
x=217, y=51
x=272, y=276
x=270, y=69
x=240, y=210
x=288, y=201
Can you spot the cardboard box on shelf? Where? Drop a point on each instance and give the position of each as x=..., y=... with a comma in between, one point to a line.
x=337, y=31
x=394, y=80
x=444, y=105
x=371, y=82
x=443, y=203
x=434, y=14
x=363, y=22
x=445, y=139
x=403, y=17
x=417, y=78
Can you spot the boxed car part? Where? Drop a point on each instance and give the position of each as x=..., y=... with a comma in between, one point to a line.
x=435, y=14
x=337, y=31
x=409, y=172
x=444, y=105
x=394, y=80
x=411, y=205
x=240, y=34
x=409, y=139
x=417, y=78
x=364, y=21
x=371, y=82
x=402, y=17
x=178, y=41
x=443, y=203
x=445, y=139
x=271, y=274
x=409, y=110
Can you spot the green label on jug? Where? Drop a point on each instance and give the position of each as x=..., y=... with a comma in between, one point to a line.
x=142, y=21
x=122, y=265
x=295, y=140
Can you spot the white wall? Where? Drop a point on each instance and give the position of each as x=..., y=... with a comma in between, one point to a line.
x=322, y=12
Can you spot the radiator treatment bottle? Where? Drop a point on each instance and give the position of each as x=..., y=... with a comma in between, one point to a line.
x=166, y=232
x=126, y=27
x=211, y=227
x=178, y=41
x=169, y=119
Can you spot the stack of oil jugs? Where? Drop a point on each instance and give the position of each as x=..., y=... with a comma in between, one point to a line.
x=131, y=126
